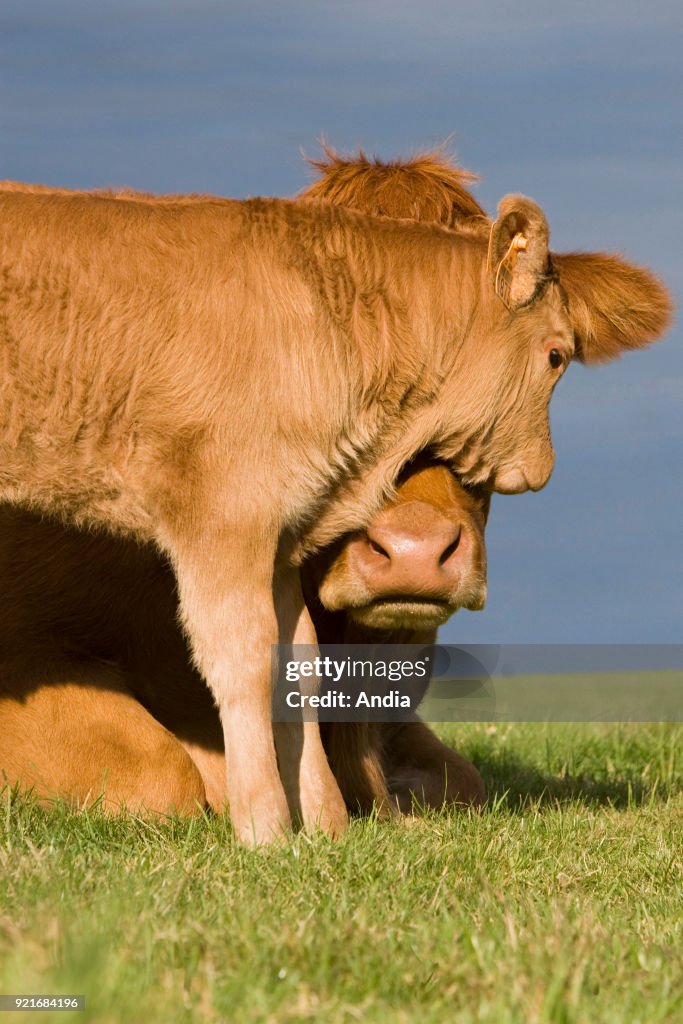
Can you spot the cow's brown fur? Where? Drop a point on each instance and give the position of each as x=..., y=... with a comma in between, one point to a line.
x=615, y=306
x=98, y=696
x=360, y=756
x=140, y=399
x=429, y=187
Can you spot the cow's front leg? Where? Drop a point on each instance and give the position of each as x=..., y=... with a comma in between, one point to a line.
x=312, y=791
x=225, y=586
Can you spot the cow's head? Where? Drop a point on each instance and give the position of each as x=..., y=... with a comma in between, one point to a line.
x=421, y=559
x=528, y=312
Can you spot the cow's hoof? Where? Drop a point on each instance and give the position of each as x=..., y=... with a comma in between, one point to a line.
x=263, y=825
x=328, y=815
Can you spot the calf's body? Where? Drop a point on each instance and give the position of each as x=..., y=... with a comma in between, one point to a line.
x=211, y=390
x=217, y=377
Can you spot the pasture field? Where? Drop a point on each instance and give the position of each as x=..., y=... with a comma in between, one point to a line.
x=563, y=901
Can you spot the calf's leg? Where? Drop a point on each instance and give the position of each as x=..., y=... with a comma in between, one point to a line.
x=312, y=791
x=229, y=592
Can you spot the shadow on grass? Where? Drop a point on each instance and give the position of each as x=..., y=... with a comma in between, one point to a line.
x=513, y=783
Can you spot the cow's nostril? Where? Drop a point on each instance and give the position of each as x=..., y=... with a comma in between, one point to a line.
x=378, y=549
x=450, y=550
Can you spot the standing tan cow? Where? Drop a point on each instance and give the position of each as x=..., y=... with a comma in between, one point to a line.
x=215, y=376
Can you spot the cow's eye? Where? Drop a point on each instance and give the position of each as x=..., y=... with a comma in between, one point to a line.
x=555, y=358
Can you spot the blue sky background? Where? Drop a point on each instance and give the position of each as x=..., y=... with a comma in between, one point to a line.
x=577, y=105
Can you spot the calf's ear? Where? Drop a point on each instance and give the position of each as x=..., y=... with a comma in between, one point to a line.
x=613, y=305
x=518, y=250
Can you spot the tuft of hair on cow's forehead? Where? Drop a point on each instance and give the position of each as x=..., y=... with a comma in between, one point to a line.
x=424, y=187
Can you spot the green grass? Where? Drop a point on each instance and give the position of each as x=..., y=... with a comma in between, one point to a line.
x=563, y=901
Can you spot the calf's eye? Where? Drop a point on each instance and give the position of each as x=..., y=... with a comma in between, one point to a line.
x=555, y=358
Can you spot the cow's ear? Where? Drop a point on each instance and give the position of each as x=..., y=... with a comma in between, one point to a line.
x=613, y=305
x=518, y=250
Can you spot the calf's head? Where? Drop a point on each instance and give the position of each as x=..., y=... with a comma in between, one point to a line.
x=421, y=558
x=528, y=312
x=519, y=345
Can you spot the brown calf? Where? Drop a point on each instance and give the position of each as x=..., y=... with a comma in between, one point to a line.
x=216, y=376
x=428, y=546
